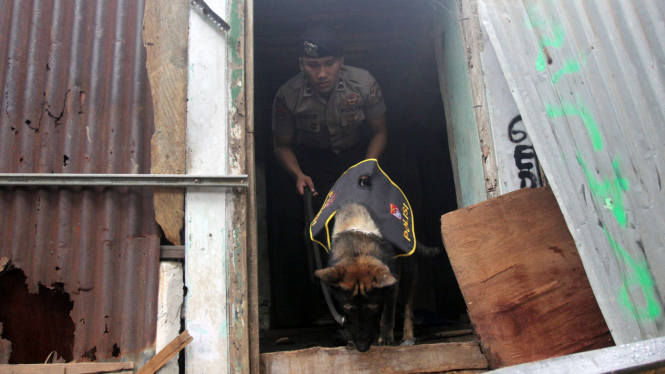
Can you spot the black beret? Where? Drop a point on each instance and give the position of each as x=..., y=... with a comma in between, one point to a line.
x=319, y=41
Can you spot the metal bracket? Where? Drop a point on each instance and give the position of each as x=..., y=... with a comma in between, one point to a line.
x=210, y=15
x=123, y=180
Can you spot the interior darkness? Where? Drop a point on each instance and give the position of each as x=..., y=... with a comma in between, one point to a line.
x=35, y=324
x=393, y=40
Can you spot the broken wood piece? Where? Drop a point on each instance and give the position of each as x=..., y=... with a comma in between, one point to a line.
x=72, y=368
x=426, y=358
x=166, y=354
x=165, y=33
x=522, y=278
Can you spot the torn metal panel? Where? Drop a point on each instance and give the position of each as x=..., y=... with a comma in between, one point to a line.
x=75, y=99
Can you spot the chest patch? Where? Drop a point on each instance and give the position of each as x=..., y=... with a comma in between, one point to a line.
x=352, y=99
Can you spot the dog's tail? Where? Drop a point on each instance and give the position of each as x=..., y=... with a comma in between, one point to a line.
x=425, y=251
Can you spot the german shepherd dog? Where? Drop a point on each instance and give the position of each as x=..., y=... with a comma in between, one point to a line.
x=365, y=277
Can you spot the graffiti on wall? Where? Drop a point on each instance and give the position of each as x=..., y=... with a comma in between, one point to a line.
x=524, y=154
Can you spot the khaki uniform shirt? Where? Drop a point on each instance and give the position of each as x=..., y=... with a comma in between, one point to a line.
x=334, y=124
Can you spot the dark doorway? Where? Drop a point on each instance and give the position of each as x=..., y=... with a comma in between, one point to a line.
x=393, y=40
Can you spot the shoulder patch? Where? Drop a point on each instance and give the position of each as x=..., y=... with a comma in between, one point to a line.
x=280, y=107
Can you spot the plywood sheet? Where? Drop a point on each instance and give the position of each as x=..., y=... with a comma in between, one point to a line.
x=521, y=276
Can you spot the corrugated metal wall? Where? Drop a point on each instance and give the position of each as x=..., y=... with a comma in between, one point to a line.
x=76, y=99
x=589, y=80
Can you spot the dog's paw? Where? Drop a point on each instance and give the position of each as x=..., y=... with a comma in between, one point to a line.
x=411, y=341
x=386, y=341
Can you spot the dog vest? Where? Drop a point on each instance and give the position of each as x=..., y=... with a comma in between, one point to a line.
x=366, y=183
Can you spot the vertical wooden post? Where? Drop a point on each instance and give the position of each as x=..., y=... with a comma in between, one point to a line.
x=207, y=231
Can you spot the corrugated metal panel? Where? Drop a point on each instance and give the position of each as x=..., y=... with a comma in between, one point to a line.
x=76, y=99
x=589, y=80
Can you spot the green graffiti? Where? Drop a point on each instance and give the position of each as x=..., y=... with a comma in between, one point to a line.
x=568, y=68
x=638, y=277
x=610, y=189
x=569, y=109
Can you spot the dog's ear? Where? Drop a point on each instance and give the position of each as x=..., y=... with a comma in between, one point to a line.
x=330, y=276
x=382, y=277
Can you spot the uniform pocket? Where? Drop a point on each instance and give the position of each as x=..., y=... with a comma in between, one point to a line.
x=309, y=123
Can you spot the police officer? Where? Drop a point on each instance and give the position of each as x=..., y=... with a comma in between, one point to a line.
x=328, y=107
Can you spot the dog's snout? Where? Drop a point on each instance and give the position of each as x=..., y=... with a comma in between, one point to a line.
x=363, y=346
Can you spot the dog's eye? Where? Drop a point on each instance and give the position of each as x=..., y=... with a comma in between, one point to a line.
x=349, y=309
x=372, y=308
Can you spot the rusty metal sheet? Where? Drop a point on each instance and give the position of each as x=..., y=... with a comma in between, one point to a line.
x=76, y=99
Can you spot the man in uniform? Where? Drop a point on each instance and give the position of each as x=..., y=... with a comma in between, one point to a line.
x=328, y=107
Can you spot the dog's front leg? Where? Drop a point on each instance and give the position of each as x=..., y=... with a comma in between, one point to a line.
x=409, y=284
x=386, y=336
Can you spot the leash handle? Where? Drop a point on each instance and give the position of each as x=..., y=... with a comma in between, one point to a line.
x=309, y=214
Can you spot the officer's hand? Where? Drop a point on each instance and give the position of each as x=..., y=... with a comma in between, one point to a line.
x=305, y=181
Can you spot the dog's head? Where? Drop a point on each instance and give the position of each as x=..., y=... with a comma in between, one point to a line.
x=361, y=285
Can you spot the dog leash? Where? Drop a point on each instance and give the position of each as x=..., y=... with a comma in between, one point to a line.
x=309, y=214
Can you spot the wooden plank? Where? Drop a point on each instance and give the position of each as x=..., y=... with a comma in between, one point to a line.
x=207, y=238
x=72, y=368
x=166, y=354
x=458, y=100
x=252, y=209
x=519, y=271
x=165, y=38
x=473, y=45
x=642, y=357
x=169, y=309
x=237, y=214
x=425, y=358
x=592, y=104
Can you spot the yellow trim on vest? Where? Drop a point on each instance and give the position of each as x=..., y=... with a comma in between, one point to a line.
x=327, y=233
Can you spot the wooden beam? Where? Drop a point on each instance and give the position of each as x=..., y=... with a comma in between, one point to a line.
x=426, y=358
x=166, y=354
x=74, y=368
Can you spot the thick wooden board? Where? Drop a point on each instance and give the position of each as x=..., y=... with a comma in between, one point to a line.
x=522, y=279
x=83, y=368
x=426, y=358
x=165, y=38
